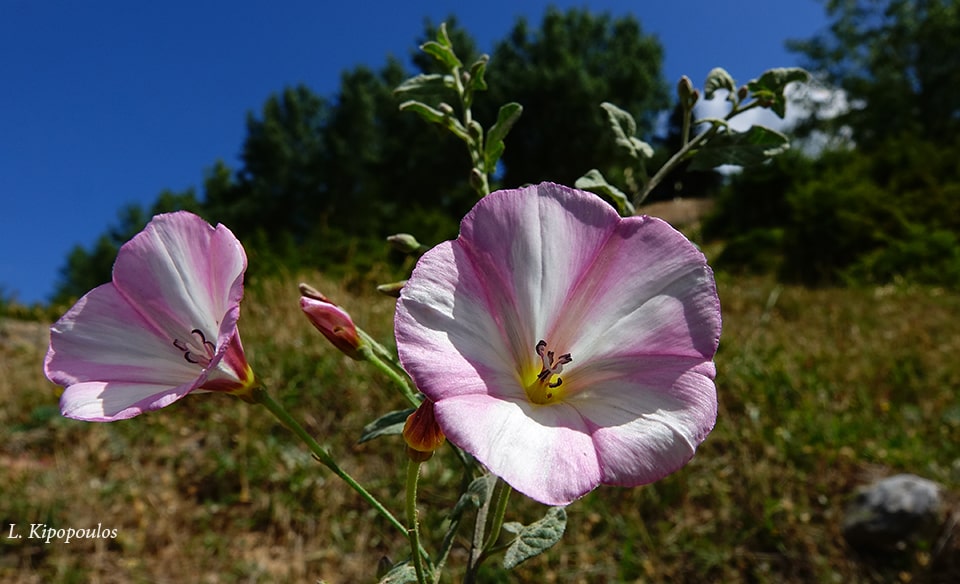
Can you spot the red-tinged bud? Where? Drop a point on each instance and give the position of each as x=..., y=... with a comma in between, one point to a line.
x=333, y=322
x=422, y=433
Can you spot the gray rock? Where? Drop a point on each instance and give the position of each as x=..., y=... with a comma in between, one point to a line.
x=892, y=512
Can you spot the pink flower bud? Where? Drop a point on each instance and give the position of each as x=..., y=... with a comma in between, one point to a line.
x=334, y=323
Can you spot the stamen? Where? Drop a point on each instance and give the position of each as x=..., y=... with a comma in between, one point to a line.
x=198, y=352
x=552, y=366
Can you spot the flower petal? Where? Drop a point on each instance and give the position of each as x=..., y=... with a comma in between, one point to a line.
x=99, y=401
x=182, y=274
x=450, y=336
x=103, y=338
x=641, y=431
x=649, y=288
x=530, y=245
x=545, y=453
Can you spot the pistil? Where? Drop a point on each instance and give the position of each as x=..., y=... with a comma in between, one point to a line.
x=544, y=388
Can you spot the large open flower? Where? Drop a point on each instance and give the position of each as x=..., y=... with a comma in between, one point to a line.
x=563, y=346
x=164, y=327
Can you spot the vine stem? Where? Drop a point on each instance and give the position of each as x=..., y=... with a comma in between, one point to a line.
x=261, y=396
x=682, y=154
x=377, y=356
x=413, y=532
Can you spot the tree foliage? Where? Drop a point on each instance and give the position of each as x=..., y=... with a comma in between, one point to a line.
x=561, y=73
x=887, y=207
x=322, y=180
x=896, y=61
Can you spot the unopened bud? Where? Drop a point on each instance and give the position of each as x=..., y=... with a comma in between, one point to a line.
x=333, y=322
x=311, y=292
x=684, y=89
x=406, y=243
x=446, y=108
x=422, y=433
x=742, y=93
x=392, y=289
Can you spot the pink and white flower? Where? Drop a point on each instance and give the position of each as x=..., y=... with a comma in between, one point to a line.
x=564, y=346
x=164, y=327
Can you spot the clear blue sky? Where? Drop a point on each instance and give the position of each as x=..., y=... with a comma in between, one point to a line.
x=104, y=103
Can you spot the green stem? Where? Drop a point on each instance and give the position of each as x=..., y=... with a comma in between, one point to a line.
x=669, y=165
x=376, y=355
x=687, y=147
x=261, y=396
x=499, y=512
x=413, y=532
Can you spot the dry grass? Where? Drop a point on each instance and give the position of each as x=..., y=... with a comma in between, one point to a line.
x=819, y=390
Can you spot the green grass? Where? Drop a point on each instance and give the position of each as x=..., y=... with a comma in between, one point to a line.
x=820, y=391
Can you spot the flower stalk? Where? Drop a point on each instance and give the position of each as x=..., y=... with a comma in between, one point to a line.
x=261, y=396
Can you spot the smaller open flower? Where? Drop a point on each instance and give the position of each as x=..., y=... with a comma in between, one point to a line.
x=331, y=320
x=165, y=326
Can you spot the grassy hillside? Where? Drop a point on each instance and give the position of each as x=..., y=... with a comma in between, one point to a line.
x=820, y=390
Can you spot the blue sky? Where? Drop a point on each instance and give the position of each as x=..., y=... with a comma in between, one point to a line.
x=105, y=103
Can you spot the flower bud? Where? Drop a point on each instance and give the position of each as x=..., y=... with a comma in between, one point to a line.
x=391, y=289
x=422, y=433
x=333, y=322
x=406, y=243
x=684, y=89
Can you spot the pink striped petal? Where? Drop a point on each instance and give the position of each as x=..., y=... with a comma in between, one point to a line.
x=165, y=326
x=631, y=301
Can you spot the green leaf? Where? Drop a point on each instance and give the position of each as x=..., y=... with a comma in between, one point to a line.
x=625, y=129
x=442, y=53
x=422, y=86
x=595, y=182
x=477, y=70
x=536, y=538
x=494, y=146
x=769, y=87
x=442, y=49
x=433, y=115
x=718, y=78
x=389, y=424
x=400, y=574
x=756, y=145
x=473, y=497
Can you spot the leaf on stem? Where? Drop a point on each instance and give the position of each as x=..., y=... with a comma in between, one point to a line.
x=756, y=145
x=494, y=146
x=473, y=497
x=477, y=70
x=536, y=538
x=390, y=424
x=442, y=49
x=769, y=87
x=625, y=129
x=425, y=86
x=433, y=115
x=400, y=574
x=595, y=182
x=717, y=79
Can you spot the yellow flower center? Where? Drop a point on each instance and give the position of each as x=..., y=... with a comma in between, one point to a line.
x=546, y=386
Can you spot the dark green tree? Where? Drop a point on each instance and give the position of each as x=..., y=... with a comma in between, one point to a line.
x=560, y=74
x=897, y=62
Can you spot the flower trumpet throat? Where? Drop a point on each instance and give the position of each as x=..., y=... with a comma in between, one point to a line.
x=547, y=386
